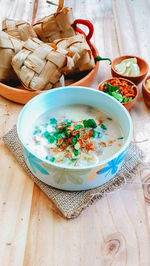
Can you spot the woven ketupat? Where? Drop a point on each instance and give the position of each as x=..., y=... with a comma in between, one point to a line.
x=38, y=65
x=79, y=54
x=55, y=26
x=9, y=46
x=18, y=29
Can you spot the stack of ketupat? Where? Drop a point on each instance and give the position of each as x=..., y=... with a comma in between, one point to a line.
x=40, y=65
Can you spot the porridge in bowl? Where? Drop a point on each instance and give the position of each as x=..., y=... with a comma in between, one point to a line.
x=75, y=134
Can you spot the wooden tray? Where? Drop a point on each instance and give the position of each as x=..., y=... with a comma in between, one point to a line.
x=21, y=95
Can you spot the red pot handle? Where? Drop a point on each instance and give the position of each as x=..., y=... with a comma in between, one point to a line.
x=91, y=30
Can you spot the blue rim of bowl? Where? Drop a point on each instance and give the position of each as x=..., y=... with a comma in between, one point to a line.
x=104, y=162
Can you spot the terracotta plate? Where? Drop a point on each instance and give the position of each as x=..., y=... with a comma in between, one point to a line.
x=21, y=95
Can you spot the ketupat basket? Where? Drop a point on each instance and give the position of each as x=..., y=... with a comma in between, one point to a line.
x=60, y=24
x=20, y=95
x=9, y=46
x=19, y=29
x=38, y=65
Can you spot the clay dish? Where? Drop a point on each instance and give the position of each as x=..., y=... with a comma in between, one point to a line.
x=135, y=79
x=146, y=93
x=127, y=105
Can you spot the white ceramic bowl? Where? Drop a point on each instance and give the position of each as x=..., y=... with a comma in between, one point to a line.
x=69, y=177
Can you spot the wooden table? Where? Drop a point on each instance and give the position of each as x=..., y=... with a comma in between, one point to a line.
x=115, y=230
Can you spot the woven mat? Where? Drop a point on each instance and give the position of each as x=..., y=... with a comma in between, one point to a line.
x=71, y=204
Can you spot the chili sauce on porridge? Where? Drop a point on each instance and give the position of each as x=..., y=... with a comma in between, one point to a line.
x=77, y=135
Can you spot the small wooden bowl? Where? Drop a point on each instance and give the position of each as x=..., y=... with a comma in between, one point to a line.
x=146, y=93
x=135, y=79
x=129, y=104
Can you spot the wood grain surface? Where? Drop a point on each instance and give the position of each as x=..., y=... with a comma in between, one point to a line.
x=115, y=230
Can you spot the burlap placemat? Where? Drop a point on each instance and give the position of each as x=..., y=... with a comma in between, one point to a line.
x=71, y=204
